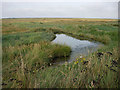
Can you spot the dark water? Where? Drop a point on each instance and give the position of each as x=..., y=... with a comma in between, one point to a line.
x=79, y=47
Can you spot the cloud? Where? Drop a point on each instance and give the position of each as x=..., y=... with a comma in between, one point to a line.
x=60, y=9
x=61, y=1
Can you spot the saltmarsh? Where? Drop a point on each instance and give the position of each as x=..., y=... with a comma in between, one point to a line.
x=28, y=53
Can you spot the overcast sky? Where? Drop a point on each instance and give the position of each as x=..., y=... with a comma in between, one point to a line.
x=60, y=8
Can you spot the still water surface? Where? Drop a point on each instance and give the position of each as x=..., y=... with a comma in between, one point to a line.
x=79, y=47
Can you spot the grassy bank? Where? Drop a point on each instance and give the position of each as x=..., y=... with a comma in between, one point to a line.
x=27, y=53
x=26, y=38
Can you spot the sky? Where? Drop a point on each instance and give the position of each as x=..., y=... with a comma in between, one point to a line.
x=60, y=8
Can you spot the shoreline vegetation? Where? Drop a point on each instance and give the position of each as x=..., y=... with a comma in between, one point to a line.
x=28, y=54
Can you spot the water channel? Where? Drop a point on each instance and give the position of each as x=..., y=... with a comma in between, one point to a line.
x=78, y=47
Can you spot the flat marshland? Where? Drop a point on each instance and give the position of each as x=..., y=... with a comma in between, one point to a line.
x=27, y=54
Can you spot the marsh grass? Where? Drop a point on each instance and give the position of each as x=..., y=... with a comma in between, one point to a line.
x=26, y=38
x=28, y=54
x=92, y=75
x=27, y=59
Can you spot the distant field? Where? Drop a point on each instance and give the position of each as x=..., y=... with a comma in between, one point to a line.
x=28, y=53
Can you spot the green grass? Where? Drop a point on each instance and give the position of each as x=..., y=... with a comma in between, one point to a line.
x=28, y=54
x=26, y=38
x=41, y=53
x=28, y=58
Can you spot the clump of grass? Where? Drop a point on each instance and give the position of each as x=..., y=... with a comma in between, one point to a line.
x=39, y=29
x=104, y=39
x=63, y=51
x=55, y=30
x=41, y=53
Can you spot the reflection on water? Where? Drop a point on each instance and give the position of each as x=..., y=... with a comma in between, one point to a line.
x=79, y=47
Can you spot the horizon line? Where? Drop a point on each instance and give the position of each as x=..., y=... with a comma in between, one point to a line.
x=59, y=17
